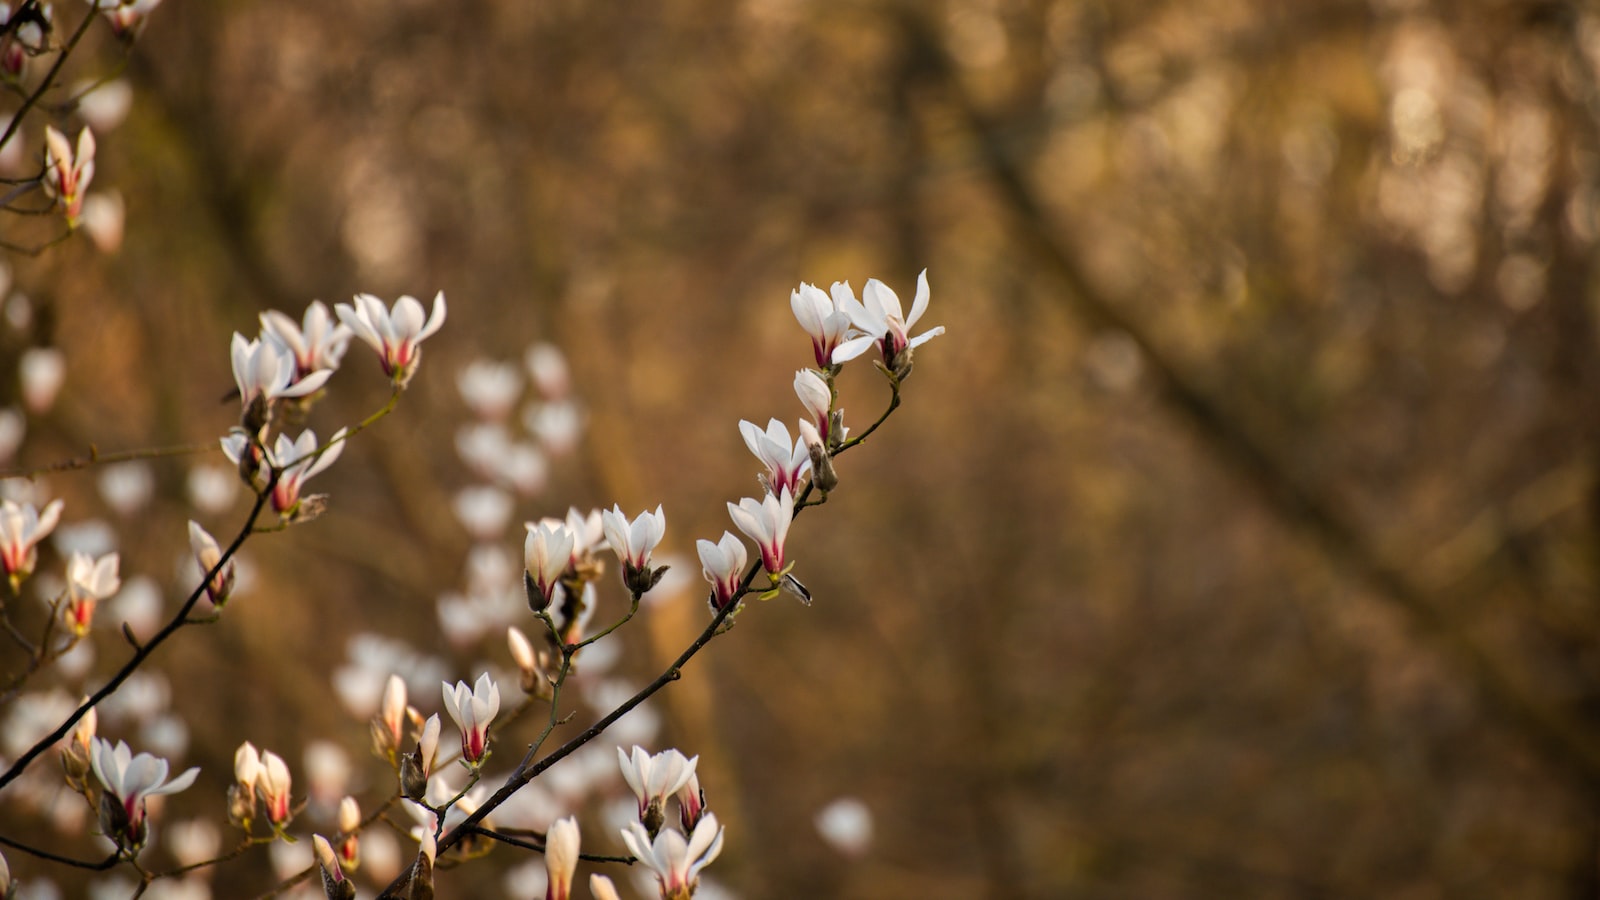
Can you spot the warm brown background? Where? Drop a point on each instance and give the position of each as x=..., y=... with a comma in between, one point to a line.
x=1238, y=540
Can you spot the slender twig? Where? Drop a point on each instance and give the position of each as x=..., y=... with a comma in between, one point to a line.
x=538, y=846
x=142, y=652
x=96, y=458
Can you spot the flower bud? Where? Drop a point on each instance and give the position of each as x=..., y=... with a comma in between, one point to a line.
x=208, y=554
x=349, y=849
x=334, y=885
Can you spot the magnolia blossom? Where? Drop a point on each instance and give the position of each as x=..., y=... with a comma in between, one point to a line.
x=490, y=388
x=392, y=711
x=394, y=334
x=723, y=564
x=881, y=322
x=332, y=875
x=126, y=16
x=21, y=529
x=655, y=778
x=317, y=344
x=815, y=396
x=535, y=680
x=633, y=543
x=265, y=370
x=273, y=786
x=88, y=581
x=42, y=370
x=691, y=803
x=300, y=462
x=546, y=555
x=128, y=781
x=350, y=827
x=602, y=888
x=207, y=554
x=473, y=709
x=587, y=530
x=67, y=174
x=560, y=858
x=676, y=862
x=785, y=460
x=822, y=318
x=416, y=767
x=767, y=523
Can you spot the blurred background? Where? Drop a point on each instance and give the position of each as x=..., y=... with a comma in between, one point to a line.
x=1239, y=538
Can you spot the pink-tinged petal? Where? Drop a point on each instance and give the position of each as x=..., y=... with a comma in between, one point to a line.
x=352, y=319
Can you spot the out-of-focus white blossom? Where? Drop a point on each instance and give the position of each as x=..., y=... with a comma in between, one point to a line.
x=42, y=370
x=490, y=389
x=316, y=343
x=547, y=365
x=13, y=427
x=126, y=487
x=483, y=511
x=127, y=17
x=88, y=582
x=327, y=767
x=212, y=488
x=21, y=529
x=396, y=334
x=265, y=369
x=105, y=219
x=102, y=104
x=68, y=172
x=846, y=825
x=300, y=462
x=557, y=425
x=193, y=841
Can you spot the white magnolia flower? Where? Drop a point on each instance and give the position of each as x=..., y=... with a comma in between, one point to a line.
x=786, y=460
x=396, y=334
x=767, y=523
x=587, y=530
x=129, y=780
x=207, y=553
x=67, y=174
x=546, y=554
x=655, y=778
x=264, y=369
x=42, y=370
x=88, y=582
x=473, y=709
x=560, y=858
x=329, y=861
x=300, y=462
x=490, y=388
x=273, y=786
x=881, y=322
x=634, y=542
x=602, y=888
x=815, y=396
x=676, y=862
x=126, y=16
x=723, y=564
x=822, y=318
x=21, y=529
x=317, y=344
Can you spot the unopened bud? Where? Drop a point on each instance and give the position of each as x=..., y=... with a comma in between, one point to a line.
x=255, y=419
x=654, y=817
x=413, y=776
x=537, y=601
